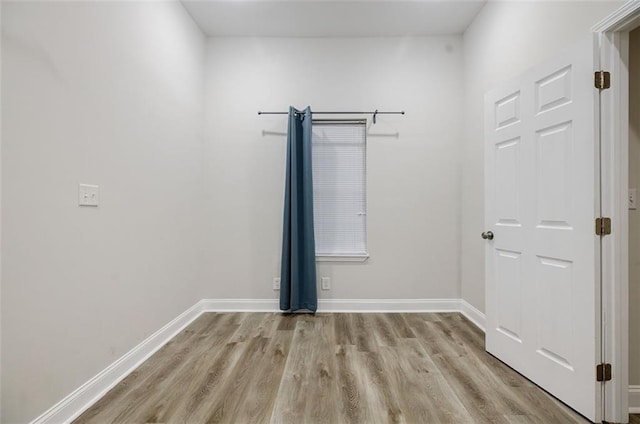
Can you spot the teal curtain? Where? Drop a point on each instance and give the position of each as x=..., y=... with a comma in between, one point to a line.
x=298, y=271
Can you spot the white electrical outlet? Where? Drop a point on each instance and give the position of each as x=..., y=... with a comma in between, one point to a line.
x=88, y=195
x=632, y=198
x=326, y=283
x=276, y=283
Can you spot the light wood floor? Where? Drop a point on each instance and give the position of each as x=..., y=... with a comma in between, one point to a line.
x=328, y=368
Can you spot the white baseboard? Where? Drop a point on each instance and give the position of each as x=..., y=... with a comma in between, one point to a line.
x=472, y=314
x=389, y=305
x=240, y=305
x=337, y=305
x=86, y=395
x=634, y=399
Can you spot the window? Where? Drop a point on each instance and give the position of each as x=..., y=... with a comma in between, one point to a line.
x=339, y=181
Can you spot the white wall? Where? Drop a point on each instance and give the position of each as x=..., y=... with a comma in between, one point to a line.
x=413, y=195
x=634, y=215
x=504, y=40
x=106, y=93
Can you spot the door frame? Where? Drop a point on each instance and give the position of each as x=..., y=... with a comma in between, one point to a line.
x=612, y=36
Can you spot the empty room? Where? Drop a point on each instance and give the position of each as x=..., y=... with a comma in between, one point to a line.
x=319, y=211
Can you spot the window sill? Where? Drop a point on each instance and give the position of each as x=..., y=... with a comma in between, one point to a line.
x=342, y=258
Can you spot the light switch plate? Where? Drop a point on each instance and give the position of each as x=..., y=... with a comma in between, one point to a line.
x=88, y=195
x=632, y=198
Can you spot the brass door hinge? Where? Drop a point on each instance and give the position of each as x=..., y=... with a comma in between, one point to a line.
x=603, y=226
x=603, y=372
x=602, y=80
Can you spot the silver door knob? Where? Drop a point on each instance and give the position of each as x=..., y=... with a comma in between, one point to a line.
x=487, y=235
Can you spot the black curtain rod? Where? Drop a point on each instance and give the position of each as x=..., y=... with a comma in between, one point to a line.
x=374, y=113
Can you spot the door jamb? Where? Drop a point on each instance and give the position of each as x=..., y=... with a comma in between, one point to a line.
x=612, y=34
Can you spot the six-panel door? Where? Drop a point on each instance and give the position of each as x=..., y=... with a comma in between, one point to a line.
x=542, y=287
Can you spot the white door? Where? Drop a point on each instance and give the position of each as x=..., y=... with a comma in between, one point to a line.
x=542, y=288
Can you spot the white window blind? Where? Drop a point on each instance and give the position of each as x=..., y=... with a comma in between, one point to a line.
x=339, y=180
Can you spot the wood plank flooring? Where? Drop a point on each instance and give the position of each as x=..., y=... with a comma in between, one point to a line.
x=328, y=368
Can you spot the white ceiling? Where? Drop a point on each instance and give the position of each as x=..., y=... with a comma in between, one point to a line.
x=332, y=18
